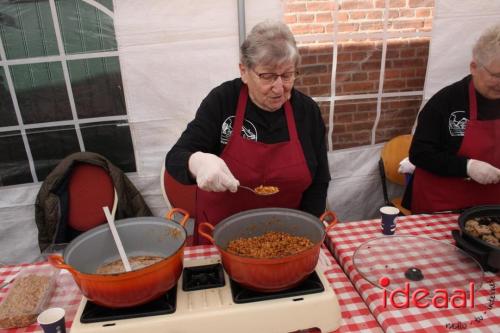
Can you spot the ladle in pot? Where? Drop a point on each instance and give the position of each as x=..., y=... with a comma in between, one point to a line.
x=262, y=190
x=110, y=217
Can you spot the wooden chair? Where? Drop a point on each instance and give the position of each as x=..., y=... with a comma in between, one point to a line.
x=391, y=154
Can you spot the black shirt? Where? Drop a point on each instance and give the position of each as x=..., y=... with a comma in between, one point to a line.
x=440, y=131
x=210, y=131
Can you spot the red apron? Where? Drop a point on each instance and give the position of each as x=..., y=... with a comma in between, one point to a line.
x=432, y=193
x=255, y=163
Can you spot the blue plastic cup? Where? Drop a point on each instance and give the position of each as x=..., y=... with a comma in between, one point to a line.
x=388, y=219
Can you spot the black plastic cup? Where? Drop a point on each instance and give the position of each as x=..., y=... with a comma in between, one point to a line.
x=52, y=320
x=388, y=219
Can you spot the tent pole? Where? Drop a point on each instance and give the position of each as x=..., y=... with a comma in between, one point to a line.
x=241, y=20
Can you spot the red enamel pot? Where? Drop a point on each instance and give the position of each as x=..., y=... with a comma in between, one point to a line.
x=150, y=236
x=269, y=274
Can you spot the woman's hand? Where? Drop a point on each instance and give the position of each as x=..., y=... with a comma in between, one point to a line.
x=212, y=173
x=482, y=172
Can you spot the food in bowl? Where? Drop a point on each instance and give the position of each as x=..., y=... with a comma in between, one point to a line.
x=136, y=262
x=272, y=244
x=27, y=297
x=486, y=228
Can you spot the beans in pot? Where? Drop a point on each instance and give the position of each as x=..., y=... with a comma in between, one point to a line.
x=272, y=244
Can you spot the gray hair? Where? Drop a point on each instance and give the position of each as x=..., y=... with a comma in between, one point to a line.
x=269, y=43
x=487, y=46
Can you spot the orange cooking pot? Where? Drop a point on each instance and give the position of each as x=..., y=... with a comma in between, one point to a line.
x=141, y=236
x=269, y=274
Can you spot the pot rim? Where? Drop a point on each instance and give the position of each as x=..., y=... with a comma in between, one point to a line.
x=119, y=224
x=132, y=274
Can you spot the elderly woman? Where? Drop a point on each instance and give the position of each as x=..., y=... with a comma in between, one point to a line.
x=255, y=130
x=456, y=146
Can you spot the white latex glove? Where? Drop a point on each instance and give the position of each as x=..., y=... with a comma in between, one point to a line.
x=405, y=166
x=212, y=173
x=482, y=172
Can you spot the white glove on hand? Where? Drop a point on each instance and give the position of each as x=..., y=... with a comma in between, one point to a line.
x=212, y=173
x=405, y=166
x=482, y=172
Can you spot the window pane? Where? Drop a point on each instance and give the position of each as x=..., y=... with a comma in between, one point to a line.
x=106, y=3
x=14, y=166
x=397, y=116
x=358, y=67
x=315, y=69
x=41, y=92
x=50, y=145
x=85, y=28
x=97, y=87
x=29, y=32
x=353, y=122
x=112, y=140
x=406, y=64
x=7, y=113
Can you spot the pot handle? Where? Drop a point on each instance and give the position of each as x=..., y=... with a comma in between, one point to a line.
x=170, y=215
x=329, y=219
x=57, y=261
x=205, y=234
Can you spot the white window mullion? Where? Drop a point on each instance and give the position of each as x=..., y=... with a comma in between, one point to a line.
x=67, y=80
x=56, y=58
x=382, y=73
x=17, y=110
x=333, y=81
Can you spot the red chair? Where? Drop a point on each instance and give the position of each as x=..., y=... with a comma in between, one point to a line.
x=89, y=189
x=179, y=195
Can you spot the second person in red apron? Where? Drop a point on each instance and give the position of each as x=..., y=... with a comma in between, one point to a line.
x=255, y=130
x=456, y=146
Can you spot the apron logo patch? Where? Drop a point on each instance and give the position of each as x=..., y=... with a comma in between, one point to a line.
x=248, y=131
x=457, y=123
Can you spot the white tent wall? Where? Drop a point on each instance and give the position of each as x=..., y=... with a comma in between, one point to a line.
x=172, y=53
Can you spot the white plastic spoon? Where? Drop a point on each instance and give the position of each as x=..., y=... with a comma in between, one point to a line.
x=110, y=217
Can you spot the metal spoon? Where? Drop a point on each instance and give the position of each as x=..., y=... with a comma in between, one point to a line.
x=257, y=192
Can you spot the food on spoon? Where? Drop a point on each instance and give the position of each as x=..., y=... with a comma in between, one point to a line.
x=266, y=190
x=269, y=245
x=136, y=262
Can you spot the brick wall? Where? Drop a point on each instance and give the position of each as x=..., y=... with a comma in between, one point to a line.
x=358, y=64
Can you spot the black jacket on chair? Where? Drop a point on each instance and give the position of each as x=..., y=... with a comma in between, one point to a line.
x=51, y=206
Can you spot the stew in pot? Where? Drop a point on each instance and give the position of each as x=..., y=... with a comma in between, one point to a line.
x=269, y=245
x=136, y=263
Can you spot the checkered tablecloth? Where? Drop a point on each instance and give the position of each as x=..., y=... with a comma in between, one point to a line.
x=356, y=316
x=346, y=237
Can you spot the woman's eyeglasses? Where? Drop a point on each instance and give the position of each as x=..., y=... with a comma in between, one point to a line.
x=270, y=78
x=496, y=76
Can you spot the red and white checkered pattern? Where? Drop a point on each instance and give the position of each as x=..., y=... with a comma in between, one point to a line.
x=356, y=316
x=484, y=317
